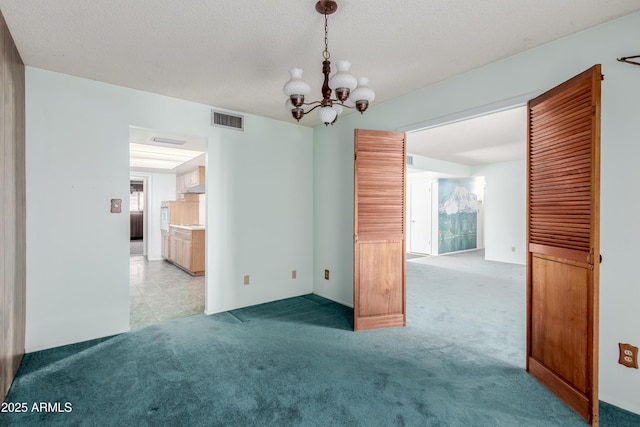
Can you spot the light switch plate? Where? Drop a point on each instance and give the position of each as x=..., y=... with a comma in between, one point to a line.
x=116, y=205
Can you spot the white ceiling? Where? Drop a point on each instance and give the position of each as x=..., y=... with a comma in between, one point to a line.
x=492, y=138
x=236, y=54
x=145, y=155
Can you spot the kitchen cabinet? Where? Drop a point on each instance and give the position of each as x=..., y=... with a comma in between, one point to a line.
x=189, y=180
x=180, y=187
x=186, y=248
x=178, y=212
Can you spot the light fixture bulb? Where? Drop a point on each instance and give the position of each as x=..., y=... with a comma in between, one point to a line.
x=327, y=114
x=362, y=95
x=342, y=82
x=295, y=85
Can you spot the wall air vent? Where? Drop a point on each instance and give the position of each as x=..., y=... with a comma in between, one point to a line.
x=409, y=160
x=227, y=120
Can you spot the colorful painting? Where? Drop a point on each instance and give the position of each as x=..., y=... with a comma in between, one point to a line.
x=458, y=208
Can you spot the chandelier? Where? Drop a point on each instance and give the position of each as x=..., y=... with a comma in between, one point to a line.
x=343, y=85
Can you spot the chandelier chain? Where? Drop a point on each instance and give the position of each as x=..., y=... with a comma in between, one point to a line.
x=326, y=55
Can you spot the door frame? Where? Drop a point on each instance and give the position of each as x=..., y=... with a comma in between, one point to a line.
x=145, y=215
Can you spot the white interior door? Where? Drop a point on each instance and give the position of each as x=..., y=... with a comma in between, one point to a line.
x=420, y=217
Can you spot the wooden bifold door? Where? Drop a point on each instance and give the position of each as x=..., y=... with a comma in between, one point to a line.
x=379, y=230
x=563, y=200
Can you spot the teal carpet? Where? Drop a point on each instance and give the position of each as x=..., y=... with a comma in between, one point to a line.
x=296, y=362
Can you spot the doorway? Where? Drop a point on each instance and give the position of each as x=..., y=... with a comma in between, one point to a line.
x=486, y=155
x=492, y=146
x=172, y=169
x=419, y=216
x=137, y=217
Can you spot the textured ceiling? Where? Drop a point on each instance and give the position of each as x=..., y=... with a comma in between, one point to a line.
x=236, y=54
x=492, y=138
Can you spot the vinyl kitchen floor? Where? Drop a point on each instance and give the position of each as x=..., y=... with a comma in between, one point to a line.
x=161, y=292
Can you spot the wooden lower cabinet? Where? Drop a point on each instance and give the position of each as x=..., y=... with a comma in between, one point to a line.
x=186, y=249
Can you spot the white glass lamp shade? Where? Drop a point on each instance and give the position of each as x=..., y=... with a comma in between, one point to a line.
x=342, y=78
x=338, y=108
x=362, y=92
x=327, y=114
x=295, y=85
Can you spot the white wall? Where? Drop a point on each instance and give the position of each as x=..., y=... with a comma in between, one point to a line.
x=440, y=167
x=262, y=208
x=533, y=71
x=160, y=187
x=259, y=195
x=504, y=211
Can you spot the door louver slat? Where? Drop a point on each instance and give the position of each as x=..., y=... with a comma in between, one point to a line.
x=560, y=162
x=380, y=204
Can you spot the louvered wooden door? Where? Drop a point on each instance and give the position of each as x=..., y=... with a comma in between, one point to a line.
x=563, y=241
x=379, y=230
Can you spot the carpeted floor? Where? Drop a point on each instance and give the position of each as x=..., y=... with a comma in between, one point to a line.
x=296, y=362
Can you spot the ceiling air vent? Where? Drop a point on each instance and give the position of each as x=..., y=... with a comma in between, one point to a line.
x=227, y=120
x=409, y=160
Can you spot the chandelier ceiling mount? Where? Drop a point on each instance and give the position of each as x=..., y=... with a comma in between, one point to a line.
x=326, y=7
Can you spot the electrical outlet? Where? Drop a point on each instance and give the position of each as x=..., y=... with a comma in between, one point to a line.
x=513, y=248
x=326, y=274
x=293, y=274
x=246, y=279
x=628, y=355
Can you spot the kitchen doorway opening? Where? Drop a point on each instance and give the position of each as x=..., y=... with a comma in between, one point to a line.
x=167, y=280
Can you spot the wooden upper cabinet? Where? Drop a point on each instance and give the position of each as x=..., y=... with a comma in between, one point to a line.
x=189, y=180
x=193, y=178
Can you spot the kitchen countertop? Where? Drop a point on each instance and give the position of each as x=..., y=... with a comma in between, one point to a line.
x=188, y=226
